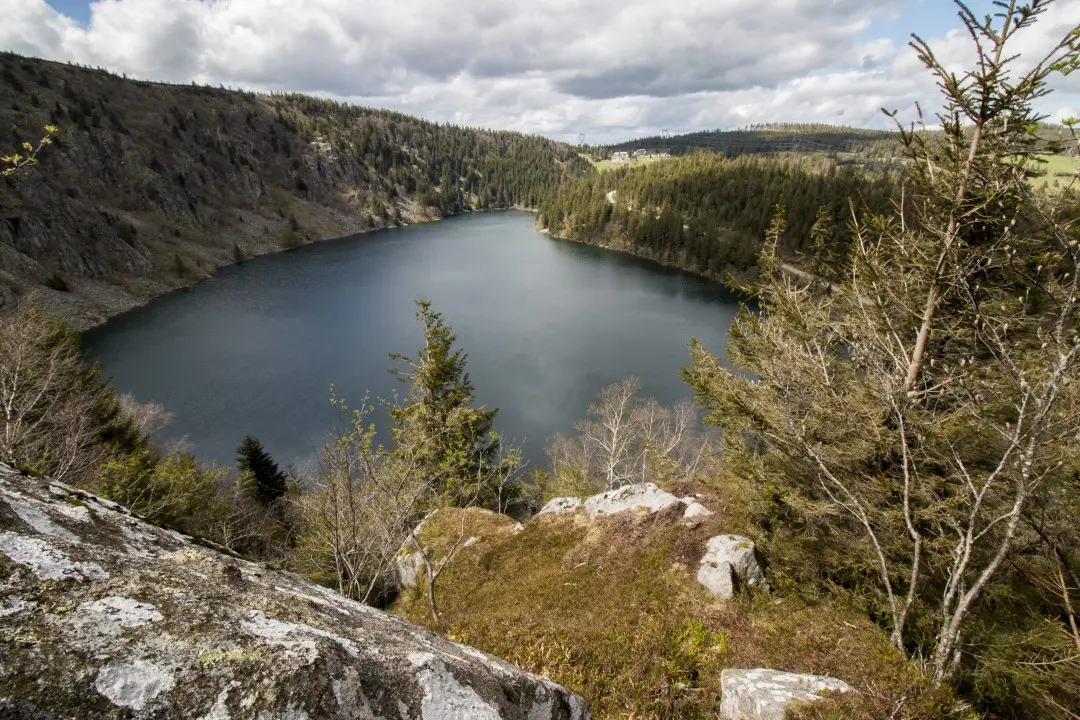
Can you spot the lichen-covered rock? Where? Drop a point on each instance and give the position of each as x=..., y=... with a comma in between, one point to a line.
x=766, y=694
x=729, y=563
x=409, y=566
x=643, y=496
x=104, y=615
x=560, y=506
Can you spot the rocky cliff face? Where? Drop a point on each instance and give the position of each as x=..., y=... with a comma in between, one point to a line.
x=149, y=186
x=104, y=615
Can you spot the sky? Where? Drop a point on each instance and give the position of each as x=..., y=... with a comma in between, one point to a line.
x=609, y=69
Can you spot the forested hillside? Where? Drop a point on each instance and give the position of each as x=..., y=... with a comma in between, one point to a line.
x=708, y=214
x=150, y=186
x=847, y=144
x=774, y=138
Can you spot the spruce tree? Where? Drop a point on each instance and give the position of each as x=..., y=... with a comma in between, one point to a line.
x=909, y=420
x=263, y=480
x=437, y=431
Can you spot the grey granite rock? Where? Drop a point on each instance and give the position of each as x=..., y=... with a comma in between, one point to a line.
x=105, y=615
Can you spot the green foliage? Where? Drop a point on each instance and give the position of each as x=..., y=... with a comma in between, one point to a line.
x=770, y=138
x=11, y=164
x=260, y=476
x=449, y=442
x=287, y=238
x=912, y=427
x=174, y=490
x=822, y=252
x=707, y=214
x=1029, y=663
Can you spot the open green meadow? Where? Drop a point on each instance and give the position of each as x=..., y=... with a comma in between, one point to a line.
x=606, y=165
x=1060, y=171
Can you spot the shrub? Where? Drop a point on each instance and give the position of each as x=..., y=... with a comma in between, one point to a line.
x=169, y=491
x=60, y=419
x=57, y=282
x=287, y=239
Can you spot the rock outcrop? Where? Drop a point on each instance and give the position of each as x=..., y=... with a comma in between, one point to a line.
x=766, y=694
x=105, y=615
x=560, y=506
x=643, y=496
x=729, y=562
x=409, y=566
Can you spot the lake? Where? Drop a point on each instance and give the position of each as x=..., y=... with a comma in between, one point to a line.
x=546, y=324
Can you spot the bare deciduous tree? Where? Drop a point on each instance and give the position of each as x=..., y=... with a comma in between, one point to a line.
x=54, y=410
x=367, y=502
x=148, y=418
x=627, y=439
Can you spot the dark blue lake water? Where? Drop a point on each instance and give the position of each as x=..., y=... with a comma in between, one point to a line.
x=546, y=324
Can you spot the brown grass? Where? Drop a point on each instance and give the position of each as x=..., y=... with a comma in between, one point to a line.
x=611, y=609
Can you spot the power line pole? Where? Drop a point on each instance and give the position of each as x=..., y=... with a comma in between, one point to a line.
x=581, y=139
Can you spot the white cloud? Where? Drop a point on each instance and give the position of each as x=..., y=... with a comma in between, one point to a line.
x=608, y=68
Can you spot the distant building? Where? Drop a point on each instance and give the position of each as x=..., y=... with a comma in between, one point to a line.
x=641, y=152
x=620, y=157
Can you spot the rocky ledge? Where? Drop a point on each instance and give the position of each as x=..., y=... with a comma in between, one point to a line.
x=763, y=694
x=105, y=615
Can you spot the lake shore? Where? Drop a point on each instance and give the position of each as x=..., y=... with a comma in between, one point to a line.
x=90, y=303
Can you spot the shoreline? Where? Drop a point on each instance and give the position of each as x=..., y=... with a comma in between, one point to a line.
x=138, y=302
x=131, y=302
x=670, y=265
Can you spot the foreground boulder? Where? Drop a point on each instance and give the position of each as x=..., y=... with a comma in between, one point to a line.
x=104, y=615
x=409, y=571
x=766, y=694
x=729, y=562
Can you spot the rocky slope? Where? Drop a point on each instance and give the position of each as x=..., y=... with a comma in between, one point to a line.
x=150, y=186
x=647, y=605
x=105, y=616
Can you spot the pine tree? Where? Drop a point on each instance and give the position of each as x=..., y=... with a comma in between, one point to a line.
x=437, y=430
x=262, y=479
x=822, y=256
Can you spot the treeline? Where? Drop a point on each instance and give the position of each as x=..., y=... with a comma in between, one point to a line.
x=707, y=214
x=449, y=167
x=773, y=138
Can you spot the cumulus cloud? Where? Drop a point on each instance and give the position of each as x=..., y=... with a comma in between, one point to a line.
x=607, y=68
